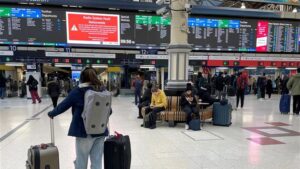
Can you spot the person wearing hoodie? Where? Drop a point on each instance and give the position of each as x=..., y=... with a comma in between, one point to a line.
x=188, y=104
x=294, y=86
x=53, y=90
x=145, y=100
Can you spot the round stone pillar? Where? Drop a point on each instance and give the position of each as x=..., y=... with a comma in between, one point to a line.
x=179, y=48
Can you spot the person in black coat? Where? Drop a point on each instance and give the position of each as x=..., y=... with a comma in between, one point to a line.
x=145, y=100
x=206, y=97
x=2, y=86
x=53, y=91
x=269, y=87
x=33, y=88
x=220, y=83
x=188, y=103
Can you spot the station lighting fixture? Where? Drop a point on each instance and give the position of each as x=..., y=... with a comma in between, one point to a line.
x=243, y=6
x=250, y=68
x=14, y=64
x=100, y=66
x=291, y=68
x=222, y=68
x=295, y=10
x=62, y=65
x=147, y=66
x=271, y=68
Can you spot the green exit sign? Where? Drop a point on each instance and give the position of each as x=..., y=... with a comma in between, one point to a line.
x=109, y=61
x=98, y=61
x=225, y=63
x=88, y=61
x=8, y=59
x=236, y=63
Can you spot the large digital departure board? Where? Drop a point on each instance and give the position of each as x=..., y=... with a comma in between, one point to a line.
x=32, y=26
x=222, y=34
x=67, y=27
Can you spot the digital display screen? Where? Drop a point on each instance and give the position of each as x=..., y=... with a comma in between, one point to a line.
x=47, y=26
x=91, y=28
x=32, y=26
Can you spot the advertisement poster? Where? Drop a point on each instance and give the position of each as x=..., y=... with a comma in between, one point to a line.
x=262, y=36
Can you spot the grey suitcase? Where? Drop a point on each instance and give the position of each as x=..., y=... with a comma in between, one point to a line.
x=222, y=114
x=232, y=101
x=44, y=156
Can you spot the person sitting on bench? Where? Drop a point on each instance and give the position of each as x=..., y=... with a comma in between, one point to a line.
x=145, y=100
x=158, y=104
x=206, y=97
x=188, y=103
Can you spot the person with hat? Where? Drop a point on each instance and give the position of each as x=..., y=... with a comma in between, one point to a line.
x=189, y=104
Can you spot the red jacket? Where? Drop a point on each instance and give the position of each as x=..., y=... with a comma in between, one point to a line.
x=242, y=82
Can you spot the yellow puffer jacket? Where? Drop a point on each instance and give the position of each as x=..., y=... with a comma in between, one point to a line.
x=159, y=99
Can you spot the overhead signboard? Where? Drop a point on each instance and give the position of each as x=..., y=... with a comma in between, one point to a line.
x=81, y=55
x=6, y=53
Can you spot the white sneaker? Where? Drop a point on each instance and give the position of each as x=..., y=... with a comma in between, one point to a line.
x=186, y=126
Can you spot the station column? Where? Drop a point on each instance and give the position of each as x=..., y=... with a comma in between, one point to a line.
x=179, y=48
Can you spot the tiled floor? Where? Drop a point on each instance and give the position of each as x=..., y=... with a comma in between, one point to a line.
x=239, y=146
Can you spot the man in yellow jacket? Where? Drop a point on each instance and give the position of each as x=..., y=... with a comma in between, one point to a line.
x=158, y=104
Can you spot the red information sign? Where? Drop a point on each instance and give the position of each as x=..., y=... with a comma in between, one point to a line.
x=262, y=36
x=92, y=28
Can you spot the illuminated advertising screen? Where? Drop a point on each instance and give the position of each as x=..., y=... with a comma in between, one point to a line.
x=93, y=28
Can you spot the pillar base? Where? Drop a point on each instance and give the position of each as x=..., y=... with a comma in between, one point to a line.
x=178, y=65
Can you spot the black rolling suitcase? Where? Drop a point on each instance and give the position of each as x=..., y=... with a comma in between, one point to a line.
x=44, y=156
x=117, y=152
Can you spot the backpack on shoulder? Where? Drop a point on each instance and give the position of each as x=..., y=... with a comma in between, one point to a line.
x=96, y=111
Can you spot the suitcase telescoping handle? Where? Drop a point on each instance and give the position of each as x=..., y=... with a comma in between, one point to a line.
x=52, y=130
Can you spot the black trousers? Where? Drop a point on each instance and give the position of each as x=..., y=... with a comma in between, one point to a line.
x=154, y=112
x=240, y=94
x=188, y=112
x=263, y=92
x=141, y=105
x=296, y=104
x=54, y=101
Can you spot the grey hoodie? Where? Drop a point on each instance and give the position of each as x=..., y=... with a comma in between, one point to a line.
x=294, y=84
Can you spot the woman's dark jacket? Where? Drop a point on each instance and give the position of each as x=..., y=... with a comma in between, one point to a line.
x=147, y=96
x=75, y=99
x=53, y=89
x=32, y=84
x=184, y=102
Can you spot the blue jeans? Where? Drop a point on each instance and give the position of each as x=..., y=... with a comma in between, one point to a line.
x=86, y=147
x=2, y=92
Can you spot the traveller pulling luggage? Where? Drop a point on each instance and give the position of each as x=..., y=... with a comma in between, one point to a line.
x=284, y=105
x=44, y=155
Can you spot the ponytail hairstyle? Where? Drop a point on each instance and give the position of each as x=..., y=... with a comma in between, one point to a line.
x=89, y=75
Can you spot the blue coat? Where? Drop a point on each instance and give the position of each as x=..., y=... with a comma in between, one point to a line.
x=75, y=99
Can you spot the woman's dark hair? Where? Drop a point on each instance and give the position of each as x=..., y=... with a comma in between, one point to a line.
x=149, y=85
x=89, y=75
x=154, y=88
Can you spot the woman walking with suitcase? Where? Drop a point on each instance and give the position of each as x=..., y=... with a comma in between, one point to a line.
x=87, y=146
